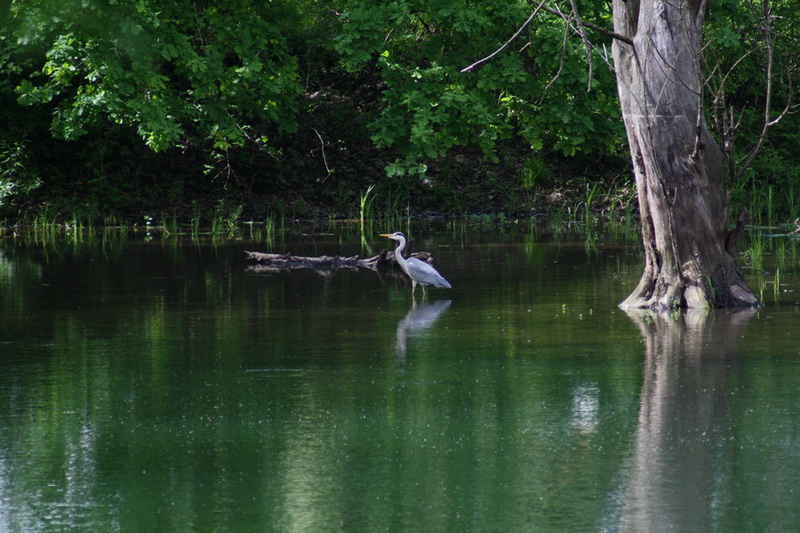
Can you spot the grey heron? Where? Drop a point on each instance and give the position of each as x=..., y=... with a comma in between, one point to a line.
x=419, y=271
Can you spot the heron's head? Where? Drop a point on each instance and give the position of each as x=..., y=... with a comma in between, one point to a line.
x=396, y=236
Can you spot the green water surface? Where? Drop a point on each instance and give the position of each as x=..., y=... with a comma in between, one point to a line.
x=166, y=385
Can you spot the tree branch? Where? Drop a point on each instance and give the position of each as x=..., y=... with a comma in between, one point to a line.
x=324, y=158
x=517, y=34
x=575, y=18
x=595, y=27
x=768, y=121
x=560, y=63
x=585, y=39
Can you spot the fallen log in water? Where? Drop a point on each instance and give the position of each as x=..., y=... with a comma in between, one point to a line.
x=265, y=261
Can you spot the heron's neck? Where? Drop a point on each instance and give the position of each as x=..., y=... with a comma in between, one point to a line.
x=398, y=253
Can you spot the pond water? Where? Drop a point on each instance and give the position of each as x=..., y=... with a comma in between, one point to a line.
x=161, y=383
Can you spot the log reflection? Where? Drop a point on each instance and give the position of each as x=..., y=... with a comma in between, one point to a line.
x=678, y=458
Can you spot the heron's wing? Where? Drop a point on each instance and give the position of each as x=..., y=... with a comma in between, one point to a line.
x=423, y=272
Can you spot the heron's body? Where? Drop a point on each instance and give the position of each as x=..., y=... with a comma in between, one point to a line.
x=420, y=272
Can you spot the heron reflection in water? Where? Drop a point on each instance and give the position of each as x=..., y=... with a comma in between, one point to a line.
x=419, y=271
x=421, y=317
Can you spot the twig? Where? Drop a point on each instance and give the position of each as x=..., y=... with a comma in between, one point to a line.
x=585, y=39
x=324, y=159
x=595, y=27
x=517, y=34
x=560, y=63
x=768, y=121
x=575, y=18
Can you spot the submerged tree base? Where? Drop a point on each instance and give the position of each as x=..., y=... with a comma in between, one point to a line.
x=662, y=295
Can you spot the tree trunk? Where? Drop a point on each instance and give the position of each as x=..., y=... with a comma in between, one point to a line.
x=683, y=199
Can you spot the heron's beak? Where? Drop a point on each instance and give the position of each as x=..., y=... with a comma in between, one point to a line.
x=385, y=235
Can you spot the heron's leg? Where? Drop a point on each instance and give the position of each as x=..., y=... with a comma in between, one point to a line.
x=414, y=287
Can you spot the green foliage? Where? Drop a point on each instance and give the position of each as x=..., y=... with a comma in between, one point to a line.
x=771, y=188
x=534, y=170
x=15, y=176
x=736, y=58
x=178, y=71
x=537, y=89
x=296, y=106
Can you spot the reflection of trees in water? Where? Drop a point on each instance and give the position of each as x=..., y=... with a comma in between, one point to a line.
x=422, y=316
x=681, y=468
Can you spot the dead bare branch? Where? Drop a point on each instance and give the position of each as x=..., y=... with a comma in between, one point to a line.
x=575, y=22
x=324, y=158
x=747, y=160
x=508, y=42
x=599, y=29
x=586, y=43
x=560, y=63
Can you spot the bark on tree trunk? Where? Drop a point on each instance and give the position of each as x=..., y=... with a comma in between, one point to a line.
x=679, y=168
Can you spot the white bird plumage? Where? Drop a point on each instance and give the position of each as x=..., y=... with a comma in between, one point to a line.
x=420, y=272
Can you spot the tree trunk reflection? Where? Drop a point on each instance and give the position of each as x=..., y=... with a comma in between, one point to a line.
x=678, y=459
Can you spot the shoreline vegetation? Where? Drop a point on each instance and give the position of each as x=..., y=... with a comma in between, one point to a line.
x=575, y=202
x=765, y=250
x=181, y=114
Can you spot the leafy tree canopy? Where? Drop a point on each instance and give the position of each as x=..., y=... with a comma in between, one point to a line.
x=179, y=71
x=537, y=89
x=258, y=83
